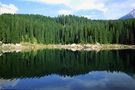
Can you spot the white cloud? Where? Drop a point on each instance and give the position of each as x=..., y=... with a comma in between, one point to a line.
x=4, y=8
x=110, y=9
x=133, y=5
x=64, y=12
x=55, y=1
x=76, y=5
x=91, y=4
x=118, y=9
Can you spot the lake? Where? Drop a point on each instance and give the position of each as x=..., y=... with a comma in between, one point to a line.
x=53, y=69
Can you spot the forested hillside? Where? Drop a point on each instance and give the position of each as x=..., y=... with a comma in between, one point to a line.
x=65, y=30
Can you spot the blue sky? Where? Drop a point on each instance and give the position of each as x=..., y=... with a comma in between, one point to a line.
x=93, y=9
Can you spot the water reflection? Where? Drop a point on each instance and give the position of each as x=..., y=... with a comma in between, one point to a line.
x=97, y=80
x=8, y=83
x=64, y=69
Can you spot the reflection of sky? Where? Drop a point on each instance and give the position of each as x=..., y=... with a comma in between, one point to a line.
x=99, y=80
x=8, y=83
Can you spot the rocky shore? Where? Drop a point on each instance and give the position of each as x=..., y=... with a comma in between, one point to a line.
x=74, y=47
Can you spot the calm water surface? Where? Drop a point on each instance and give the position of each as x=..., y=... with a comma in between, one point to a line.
x=68, y=70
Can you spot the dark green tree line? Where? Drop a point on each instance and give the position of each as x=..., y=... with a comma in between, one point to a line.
x=65, y=30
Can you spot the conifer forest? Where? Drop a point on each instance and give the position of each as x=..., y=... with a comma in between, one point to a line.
x=65, y=29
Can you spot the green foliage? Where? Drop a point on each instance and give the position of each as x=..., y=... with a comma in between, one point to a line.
x=65, y=30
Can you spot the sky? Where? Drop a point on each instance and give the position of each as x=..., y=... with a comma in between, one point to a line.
x=92, y=9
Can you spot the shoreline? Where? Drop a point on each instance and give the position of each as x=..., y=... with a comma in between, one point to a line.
x=73, y=47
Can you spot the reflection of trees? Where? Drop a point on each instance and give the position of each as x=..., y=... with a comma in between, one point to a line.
x=64, y=62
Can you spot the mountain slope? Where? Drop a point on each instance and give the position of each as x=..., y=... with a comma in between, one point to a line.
x=129, y=15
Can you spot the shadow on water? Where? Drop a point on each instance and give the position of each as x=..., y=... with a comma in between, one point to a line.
x=64, y=63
